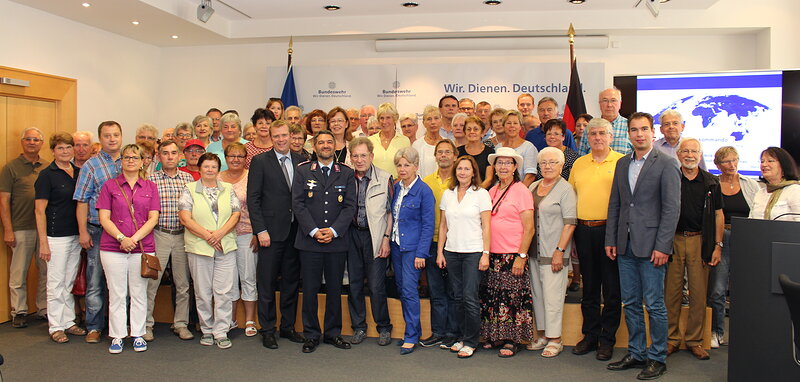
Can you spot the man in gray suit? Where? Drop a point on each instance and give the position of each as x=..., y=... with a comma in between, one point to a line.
x=643, y=213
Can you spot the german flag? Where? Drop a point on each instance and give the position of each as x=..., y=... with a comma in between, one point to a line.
x=575, y=105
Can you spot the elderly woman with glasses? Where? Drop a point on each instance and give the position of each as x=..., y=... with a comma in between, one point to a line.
x=555, y=207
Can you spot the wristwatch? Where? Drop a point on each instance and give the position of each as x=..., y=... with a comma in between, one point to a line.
x=485, y=252
x=562, y=250
x=120, y=237
x=523, y=255
x=719, y=243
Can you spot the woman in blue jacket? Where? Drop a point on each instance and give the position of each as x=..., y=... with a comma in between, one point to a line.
x=413, y=208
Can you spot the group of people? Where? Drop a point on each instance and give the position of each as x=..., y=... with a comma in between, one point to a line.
x=495, y=206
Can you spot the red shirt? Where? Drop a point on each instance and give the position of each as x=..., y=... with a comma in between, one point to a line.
x=194, y=174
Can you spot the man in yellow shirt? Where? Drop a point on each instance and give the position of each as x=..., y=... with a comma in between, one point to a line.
x=444, y=325
x=592, y=176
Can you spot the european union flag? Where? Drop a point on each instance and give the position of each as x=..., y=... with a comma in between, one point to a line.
x=289, y=94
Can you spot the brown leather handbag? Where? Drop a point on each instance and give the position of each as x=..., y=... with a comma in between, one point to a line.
x=150, y=264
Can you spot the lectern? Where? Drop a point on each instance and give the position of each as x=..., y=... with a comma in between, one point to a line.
x=760, y=327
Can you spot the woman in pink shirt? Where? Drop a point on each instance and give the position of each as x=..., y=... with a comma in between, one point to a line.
x=121, y=245
x=507, y=314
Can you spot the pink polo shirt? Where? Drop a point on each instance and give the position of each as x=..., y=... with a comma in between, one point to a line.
x=507, y=229
x=144, y=197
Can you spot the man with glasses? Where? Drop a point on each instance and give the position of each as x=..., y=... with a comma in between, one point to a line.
x=547, y=109
x=94, y=173
x=610, y=103
x=192, y=152
x=672, y=126
x=467, y=106
x=698, y=245
x=591, y=176
x=215, y=115
x=363, y=117
x=17, y=197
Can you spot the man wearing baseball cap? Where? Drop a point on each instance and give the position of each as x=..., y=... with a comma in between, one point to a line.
x=192, y=151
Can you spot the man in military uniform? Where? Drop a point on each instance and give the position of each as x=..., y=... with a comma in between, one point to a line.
x=324, y=203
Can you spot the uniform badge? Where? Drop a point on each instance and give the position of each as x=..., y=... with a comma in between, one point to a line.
x=341, y=198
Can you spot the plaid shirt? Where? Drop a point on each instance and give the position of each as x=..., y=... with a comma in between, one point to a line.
x=169, y=190
x=94, y=173
x=620, y=144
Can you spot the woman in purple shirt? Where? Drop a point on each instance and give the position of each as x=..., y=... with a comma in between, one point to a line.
x=121, y=245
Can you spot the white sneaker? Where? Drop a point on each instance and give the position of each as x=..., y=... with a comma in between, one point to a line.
x=714, y=340
x=721, y=339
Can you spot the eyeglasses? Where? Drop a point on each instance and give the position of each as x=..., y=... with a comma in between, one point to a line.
x=729, y=161
x=31, y=139
x=504, y=163
x=195, y=151
x=131, y=158
x=145, y=138
x=601, y=133
x=551, y=163
x=236, y=156
x=183, y=135
x=685, y=151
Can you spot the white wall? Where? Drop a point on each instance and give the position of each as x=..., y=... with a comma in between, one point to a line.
x=235, y=76
x=118, y=78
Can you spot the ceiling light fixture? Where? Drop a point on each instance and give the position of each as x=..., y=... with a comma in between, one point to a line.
x=332, y=7
x=492, y=2
x=134, y=22
x=204, y=10
x=174, y=36
x=411, y=4
x=664, y=1
x=86, y=5
x=577, y=1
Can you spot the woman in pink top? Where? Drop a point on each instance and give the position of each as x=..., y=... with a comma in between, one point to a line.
x=246, y=243
x=121, y=245
x=507, y=314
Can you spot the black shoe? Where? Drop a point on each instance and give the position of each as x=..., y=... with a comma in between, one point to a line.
x=19, y=321
x=385, y=338
x=653, y=370
x=574, y=287
x=310, y=345
x=293, y=336
x=604, y=352
x=448, y=342
x=337, y=341
x=358, y=337
x=431, y=341
x=268, y=340
x=584, y=346
x=627, y=362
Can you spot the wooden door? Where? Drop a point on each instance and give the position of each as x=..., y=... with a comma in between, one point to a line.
x=49, y=104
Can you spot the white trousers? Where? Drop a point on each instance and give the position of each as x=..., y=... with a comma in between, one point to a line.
x=26, y=249
x=213, y=280
x=548, y=290
x=171, y=246
x=124, y=279
x=65, y=257
x=246, y=260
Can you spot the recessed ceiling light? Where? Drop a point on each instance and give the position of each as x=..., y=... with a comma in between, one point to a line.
x=134, y=22
x=663, y=1
x=577, y=1
x=332, y=7
x=86, y=5
x=492, y=2
x=410, y=4
x=174, y=36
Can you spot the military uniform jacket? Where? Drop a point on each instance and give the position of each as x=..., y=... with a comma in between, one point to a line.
x=321, y=203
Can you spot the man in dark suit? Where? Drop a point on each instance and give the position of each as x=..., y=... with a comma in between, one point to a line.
x=324, y=202
x=269, y=200
x=643, y=213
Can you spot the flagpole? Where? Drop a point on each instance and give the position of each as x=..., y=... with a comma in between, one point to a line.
x=571, y=34
x=290, y=51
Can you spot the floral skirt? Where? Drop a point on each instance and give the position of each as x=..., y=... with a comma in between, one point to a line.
x=506, y=302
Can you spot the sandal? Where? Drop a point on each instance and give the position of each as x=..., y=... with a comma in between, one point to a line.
x=552, y=349
x=466, y=352
x=457, y=347
x=539, y=344
x=491, y=345
x=59, y=337
x=510, y=347
x=250, y=329
x=75, y=330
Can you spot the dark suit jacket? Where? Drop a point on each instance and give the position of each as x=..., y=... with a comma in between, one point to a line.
x=321, y=203
x=269, y=198
x=651, y=212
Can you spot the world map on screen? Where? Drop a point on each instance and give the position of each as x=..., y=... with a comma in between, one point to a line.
x=731, y=115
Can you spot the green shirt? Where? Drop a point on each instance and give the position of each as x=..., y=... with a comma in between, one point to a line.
x=18, y=178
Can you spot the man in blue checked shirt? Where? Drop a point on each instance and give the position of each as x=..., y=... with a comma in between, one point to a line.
x=610, y=102
x=96, y=171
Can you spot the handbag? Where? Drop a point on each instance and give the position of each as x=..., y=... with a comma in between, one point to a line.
x=150, y=264
x=79, y=287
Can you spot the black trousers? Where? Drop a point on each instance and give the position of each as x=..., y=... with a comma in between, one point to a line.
x=278, y=265
x=314, y=265
x=361, y=264
x=600, y=276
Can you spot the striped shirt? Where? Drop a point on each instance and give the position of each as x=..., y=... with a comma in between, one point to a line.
x=620, y=144
x=169, y=190
x=94, y=173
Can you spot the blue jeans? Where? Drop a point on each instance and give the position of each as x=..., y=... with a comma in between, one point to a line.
x=641, y=282
x=718, y=286
x=95, y=283
x=406, y=276
x=464, y=279
x=443, y=307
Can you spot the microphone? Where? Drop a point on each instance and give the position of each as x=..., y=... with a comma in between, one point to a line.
x=786, y=214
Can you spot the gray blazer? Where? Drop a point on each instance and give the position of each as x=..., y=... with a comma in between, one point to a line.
x=557, y=209
x=651, y=212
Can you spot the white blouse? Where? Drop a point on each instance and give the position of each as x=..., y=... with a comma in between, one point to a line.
x=788, y=203
x=464, y=230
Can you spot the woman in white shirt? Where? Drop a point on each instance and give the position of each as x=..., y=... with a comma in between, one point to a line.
x=781, y=198
x=464, y=247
